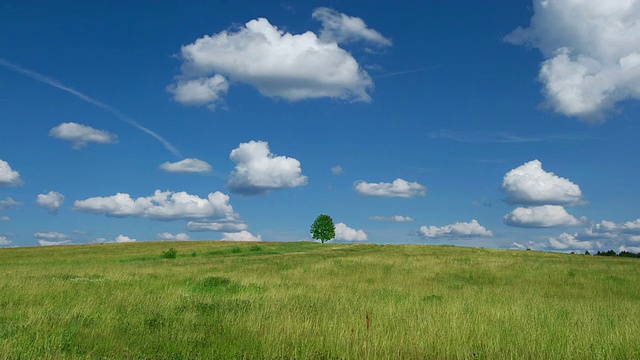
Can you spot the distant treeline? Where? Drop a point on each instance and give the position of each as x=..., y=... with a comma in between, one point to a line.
x=613, y=253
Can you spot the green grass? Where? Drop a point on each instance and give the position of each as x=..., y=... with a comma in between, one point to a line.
x=307, y=300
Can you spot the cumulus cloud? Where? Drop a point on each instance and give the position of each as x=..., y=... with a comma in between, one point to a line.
x=399, y=188
x=79, y=135
x=540, y=217
x=163, y=205
x=170, y=236
x=530, y=184
x=43, y=242
x=610, y=230
x=4, y=241
x=395, y=218
x=341, y=28
x=8, y=204
x=8, y=176
x=343, y=232
x=240, y=236
x=258, y=171
x=124, y=239
x=605, y=235
x=50, y=235
x=51, y=238
x=459, y=229
x=633, y=249
x=337, y=170
x=191, y=165
x=569, y=242
x=202, y=91
x=277, y=63
x=52, y=201
x=592, y=54
x=4, y=218
x=227, y=226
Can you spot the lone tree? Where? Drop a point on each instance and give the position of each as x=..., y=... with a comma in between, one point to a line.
x=323, y=229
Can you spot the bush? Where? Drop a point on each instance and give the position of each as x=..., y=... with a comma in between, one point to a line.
x=170, y=254
x=236, y=250
x=255, y=248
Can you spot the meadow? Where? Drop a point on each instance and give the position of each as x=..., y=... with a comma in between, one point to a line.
x=220, y=300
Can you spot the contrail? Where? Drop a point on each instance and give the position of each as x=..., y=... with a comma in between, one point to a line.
x=406, y=72
x=52, y=82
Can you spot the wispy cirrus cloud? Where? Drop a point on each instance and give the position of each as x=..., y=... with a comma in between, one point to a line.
x=503, y=137
x=58, y=85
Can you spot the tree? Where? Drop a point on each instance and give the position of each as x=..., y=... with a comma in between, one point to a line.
x=323, y=229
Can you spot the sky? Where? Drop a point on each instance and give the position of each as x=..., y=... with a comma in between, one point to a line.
x=488, y=124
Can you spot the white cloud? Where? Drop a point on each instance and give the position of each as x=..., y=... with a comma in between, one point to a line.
x=170, y=236
x=118, y=239
x=50, y=235
x=337, y=170
x=165, y=205
x=8, y=176
x=51, y=238
x=124, y=239
x=606, y=235
x=79, y=135
x=4, y=218
x=227, y=226
x=395, y=218
x=343, y=232
x=202, y=91
x=529, y=245
x=43, y=242
x=627, y=231
x=399, y=188
x=633, y=249
x=569, y=242
x=52, y=201
x=340, y=28
x=191, y=165
x=240, y=236
x=258, y=171
x=459, y=229
x=540, y=217
x=4, y=241
x=529, y=184
x=592, y=51
x=278, y=64
x=631, y=227
x=8, y=204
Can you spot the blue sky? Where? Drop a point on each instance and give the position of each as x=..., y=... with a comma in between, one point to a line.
x=492, y=124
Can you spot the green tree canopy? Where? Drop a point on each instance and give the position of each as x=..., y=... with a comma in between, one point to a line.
x=323, y=229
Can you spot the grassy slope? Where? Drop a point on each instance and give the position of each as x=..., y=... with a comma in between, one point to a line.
x=308, y=300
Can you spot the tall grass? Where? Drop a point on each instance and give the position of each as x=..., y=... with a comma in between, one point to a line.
x=307, y=300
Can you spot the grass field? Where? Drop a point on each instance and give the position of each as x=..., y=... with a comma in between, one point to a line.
x=315, y=301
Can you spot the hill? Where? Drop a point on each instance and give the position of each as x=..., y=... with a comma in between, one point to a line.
x=308, y=300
